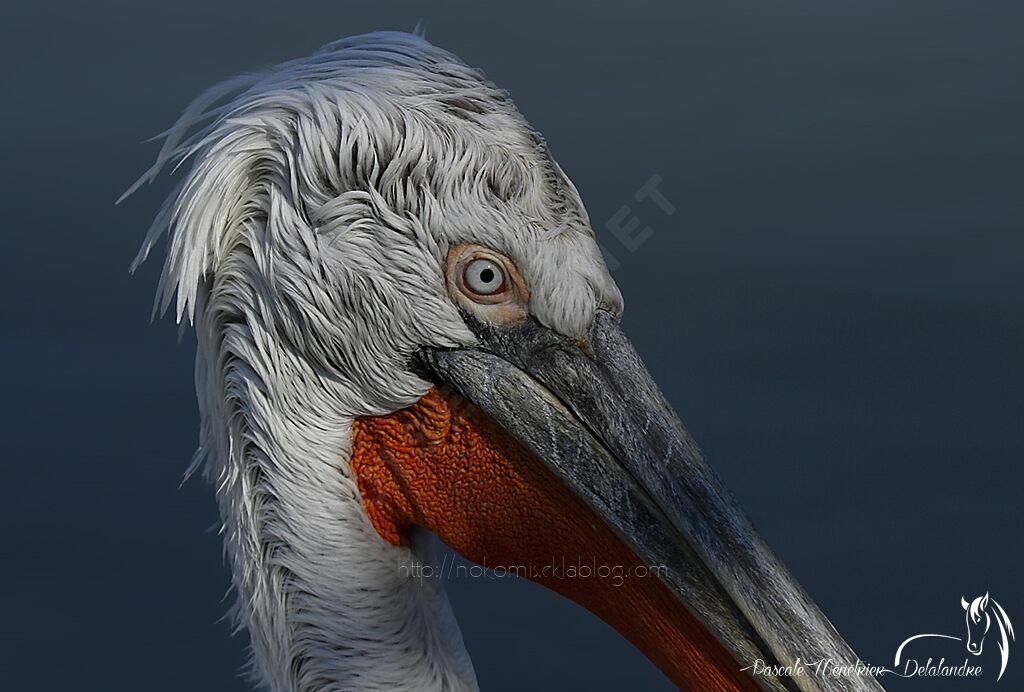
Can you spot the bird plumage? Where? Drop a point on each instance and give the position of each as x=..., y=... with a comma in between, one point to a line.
x=305, y=242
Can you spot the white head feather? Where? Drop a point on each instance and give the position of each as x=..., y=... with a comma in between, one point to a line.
x=306, y=242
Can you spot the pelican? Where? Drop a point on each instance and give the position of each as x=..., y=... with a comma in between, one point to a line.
x=405, y=329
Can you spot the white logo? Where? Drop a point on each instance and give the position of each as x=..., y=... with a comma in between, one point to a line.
x=980, y=614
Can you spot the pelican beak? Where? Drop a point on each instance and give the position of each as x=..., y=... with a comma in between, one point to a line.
x=700, y=592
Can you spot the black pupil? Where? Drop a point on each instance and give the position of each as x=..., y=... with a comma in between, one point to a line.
x=487, y=275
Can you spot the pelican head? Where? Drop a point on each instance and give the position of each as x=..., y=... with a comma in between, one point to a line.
x=404, y=326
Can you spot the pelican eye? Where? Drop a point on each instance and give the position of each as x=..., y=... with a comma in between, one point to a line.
x=483, y=277
x=486, y=283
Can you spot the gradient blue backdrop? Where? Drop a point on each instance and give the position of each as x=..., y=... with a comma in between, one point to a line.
x=834, y=307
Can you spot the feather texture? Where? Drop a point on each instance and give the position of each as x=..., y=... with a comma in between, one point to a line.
x=305, y=243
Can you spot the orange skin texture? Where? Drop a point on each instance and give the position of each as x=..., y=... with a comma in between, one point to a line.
x=443, y=464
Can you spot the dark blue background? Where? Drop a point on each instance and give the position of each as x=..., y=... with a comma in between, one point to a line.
x=834, y=308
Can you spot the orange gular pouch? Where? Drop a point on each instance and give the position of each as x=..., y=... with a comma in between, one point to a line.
x=444, y=465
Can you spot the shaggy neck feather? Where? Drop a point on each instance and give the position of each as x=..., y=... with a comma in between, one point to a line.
x=324, y=598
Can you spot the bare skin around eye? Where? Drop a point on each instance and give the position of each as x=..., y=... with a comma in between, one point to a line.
x=502, y=307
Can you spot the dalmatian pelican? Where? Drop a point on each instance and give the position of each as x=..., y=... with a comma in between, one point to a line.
x=405, y=327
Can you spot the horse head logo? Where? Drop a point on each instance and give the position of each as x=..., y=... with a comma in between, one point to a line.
x=980, y=614
x=978, y=622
